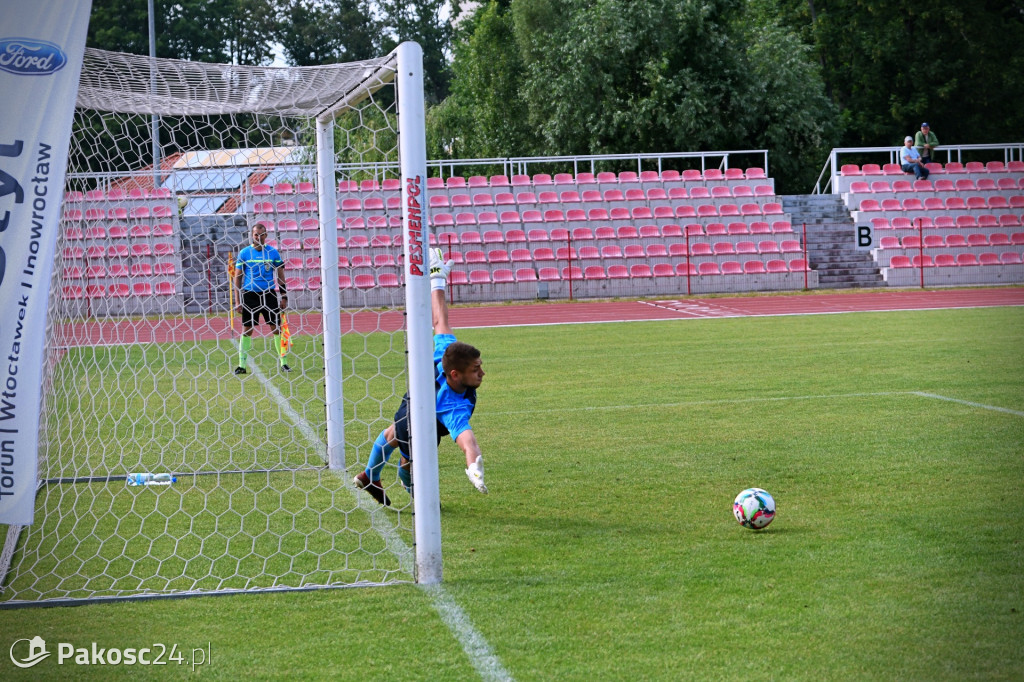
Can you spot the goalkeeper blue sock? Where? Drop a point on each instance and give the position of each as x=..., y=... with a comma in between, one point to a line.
x=378, y=456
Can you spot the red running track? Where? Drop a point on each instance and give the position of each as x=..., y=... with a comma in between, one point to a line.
x=202, y=329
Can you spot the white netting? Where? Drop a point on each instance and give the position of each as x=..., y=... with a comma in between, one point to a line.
x=142, y=342
x=126, y=83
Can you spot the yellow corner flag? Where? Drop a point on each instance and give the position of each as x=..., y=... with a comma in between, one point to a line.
x=231, y=290
x=286, y=335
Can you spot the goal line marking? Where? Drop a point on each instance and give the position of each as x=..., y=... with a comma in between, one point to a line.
x=479, y=652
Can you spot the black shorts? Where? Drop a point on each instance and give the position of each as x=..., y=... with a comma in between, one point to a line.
x=260, y=303
x=402, y=433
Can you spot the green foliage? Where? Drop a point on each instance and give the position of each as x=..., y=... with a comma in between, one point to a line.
x=889, y=65
x=485, y=98
x=232, y=31
x=314, y=33
x=428, y=23
x=557, y=77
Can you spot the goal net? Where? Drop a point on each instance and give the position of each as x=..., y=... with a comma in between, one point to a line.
x=143, y=338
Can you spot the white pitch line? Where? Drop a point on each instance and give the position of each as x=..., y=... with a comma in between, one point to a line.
x=637, y=406
x=479, y=652
x=968, y=403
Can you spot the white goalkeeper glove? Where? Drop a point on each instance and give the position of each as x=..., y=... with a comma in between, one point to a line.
x=439, y=269
x=475, y=472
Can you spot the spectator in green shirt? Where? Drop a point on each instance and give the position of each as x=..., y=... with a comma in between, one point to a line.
x=926, y=142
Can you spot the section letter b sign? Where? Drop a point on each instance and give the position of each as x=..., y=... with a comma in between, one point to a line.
x=865, y=240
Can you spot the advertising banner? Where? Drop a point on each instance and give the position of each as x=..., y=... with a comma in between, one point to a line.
x=41, y=48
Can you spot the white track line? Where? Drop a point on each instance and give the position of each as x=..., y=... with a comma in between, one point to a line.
x=729, y=316
x=968, y=403
x=479, y=652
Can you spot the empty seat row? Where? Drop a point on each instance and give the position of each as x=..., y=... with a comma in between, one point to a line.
x=268, y=207
x=951, y=167
x=554, y=274
x=946, y=222
x=143, y=231
x=118, y=271
x=523, y=180
x=1004, y=184
x=94, y=291
x=74, y=215
x=261, y=189
x=933, y=241
x=517, y=236
x=99, y=252
x=610, y=196
x=962, y=221
x=623, y=178
x=616, y=214
x=958, y=260
x=617, y=252
x=973, y=203
x=117, y=194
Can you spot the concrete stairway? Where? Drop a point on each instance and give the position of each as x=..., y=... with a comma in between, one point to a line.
x=831, y=248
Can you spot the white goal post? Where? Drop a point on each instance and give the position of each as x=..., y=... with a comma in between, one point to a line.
x=142, y=336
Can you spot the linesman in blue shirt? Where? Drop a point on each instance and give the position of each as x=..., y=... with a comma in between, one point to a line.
x=458, y=374
x=257, y=268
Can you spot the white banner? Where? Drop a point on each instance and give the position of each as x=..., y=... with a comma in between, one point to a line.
x=41, y=48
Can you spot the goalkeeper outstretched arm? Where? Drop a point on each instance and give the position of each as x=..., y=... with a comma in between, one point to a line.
x=459, y=374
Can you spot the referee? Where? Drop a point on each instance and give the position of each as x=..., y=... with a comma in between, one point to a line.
x=255, y=270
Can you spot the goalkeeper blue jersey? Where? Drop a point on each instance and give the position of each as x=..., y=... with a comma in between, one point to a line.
x=453, y=409
x=258, y=266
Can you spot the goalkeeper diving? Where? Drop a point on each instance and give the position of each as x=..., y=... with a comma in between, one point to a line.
x=459, y=373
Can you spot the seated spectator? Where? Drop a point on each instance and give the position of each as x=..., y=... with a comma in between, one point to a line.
x=910, y=159
x=925, y=142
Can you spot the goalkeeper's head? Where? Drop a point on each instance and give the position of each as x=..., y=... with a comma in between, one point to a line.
x=462, y=366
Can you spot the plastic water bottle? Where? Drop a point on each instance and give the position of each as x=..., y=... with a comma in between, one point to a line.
x=150, y=479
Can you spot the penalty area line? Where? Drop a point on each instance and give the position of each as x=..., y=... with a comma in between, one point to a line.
x=994, y=408
x=724, y=401
x=479, y=652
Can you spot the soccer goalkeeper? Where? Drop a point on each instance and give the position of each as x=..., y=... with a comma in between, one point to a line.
x=459, y=374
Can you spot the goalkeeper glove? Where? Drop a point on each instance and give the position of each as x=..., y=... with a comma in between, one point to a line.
x=475, y=472
x=439, y=269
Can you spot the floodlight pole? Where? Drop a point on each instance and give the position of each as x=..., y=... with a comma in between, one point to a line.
x=155, y=122
x=412, y=153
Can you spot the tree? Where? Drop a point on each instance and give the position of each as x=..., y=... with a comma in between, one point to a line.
x=625, y=76
x=314, y=32
x=219, y=31
x=889, y=65
x=485, y=115
x=429, y=23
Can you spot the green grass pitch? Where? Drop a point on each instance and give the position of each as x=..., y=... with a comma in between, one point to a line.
x=607, y=549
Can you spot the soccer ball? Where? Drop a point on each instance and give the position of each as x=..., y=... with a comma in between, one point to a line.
x=754, y=508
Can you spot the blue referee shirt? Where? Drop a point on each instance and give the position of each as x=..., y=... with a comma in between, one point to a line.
x=258, y=266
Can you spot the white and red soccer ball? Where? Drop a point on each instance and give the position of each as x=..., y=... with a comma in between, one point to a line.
x=754, y=508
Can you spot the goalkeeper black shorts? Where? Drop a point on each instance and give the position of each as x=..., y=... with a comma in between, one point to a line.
x=402, y=433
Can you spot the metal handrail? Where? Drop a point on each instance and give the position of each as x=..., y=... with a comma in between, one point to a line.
x=1012, y=151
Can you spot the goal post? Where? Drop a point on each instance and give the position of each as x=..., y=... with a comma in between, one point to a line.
x=141, y=343
x=408, y=72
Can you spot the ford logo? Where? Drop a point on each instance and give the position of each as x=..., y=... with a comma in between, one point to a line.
x=27, y=57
